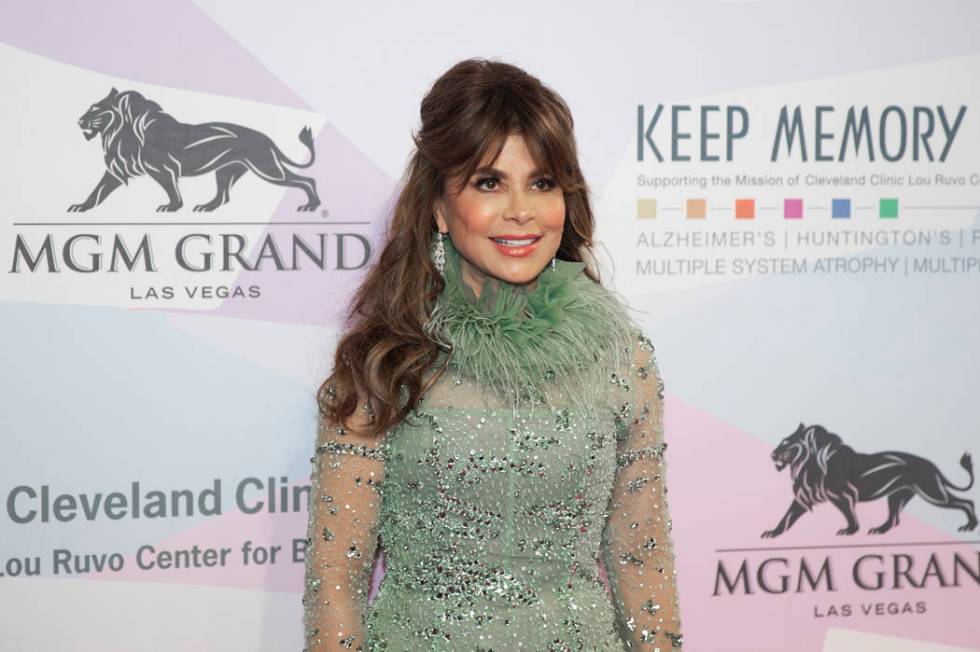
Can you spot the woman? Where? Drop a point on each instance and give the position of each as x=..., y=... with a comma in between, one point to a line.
x=493, y=412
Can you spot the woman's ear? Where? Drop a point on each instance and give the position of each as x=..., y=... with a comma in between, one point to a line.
x=440, y=213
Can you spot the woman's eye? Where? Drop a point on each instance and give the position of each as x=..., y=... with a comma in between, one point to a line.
x=483, y=180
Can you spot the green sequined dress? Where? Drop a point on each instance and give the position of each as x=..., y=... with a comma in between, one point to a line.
x=537, y=455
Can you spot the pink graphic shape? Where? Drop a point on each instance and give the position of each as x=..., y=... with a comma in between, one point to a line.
x=725, y=491
x=793, y=208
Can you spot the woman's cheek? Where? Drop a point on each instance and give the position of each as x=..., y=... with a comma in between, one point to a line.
x=478, y=211
x=554, y=212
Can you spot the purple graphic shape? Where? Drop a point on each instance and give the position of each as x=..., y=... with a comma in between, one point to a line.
x=166, y=43
x=356, y=194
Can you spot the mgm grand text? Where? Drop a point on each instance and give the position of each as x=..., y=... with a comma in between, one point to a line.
x=193, y=252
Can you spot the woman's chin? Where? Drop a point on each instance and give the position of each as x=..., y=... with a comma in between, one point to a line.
x=518, y=274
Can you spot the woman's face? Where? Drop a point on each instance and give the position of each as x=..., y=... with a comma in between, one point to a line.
x=507, y=200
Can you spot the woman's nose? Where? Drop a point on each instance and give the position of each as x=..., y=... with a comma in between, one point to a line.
x=520, y=206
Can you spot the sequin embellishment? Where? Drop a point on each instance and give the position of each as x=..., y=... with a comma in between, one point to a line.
x=494, y=521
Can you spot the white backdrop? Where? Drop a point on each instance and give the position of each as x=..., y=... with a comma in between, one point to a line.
x=159, y=420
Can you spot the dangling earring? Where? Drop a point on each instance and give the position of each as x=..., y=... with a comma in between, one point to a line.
x=439, y=252
x=552, y=263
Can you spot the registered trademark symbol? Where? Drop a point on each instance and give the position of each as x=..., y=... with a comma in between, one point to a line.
x=324, y=213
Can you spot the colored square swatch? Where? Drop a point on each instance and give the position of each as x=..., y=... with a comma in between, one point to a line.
x=646, y=209
x=840, y=208
x=744, y=209
x=793, y=208
x=696, y=208
x=888, y=207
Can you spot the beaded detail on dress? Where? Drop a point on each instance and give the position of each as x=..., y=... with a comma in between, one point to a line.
x=537, y=456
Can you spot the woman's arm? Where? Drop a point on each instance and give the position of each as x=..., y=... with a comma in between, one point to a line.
x=637, y=546
x=342, y=535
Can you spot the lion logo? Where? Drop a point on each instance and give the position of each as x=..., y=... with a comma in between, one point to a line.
x=140, y=138
x=824, y=468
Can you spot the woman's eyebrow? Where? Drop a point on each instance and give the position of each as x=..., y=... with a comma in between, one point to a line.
x=503, y=175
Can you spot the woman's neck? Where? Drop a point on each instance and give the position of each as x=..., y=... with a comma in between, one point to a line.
x=474, y=278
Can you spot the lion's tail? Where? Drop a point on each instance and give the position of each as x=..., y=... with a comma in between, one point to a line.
x=967, y=463
x=305, y=137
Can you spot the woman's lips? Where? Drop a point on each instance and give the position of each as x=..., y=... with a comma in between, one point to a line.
x=517, y=251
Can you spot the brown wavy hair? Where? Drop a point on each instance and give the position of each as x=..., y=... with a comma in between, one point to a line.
x=384, y=354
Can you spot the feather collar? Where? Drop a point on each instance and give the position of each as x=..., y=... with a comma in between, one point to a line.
x=566, y=334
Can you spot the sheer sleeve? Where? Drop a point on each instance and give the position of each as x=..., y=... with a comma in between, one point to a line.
x=636, y=542
x=342, y=535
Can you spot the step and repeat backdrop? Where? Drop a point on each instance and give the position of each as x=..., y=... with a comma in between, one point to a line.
x=787, y=193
